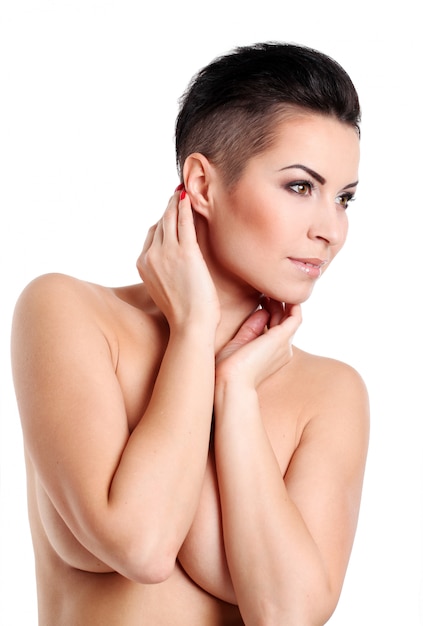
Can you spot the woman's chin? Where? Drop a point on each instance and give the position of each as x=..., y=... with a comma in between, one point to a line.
x=297, y=296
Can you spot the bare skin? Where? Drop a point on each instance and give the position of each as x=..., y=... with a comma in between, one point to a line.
x=138, y=514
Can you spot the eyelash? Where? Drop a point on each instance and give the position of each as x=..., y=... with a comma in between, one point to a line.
x=310, y=186
x=304, y=183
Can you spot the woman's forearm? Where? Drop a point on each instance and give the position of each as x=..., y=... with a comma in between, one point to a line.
x=277, y=571
x=155, y=489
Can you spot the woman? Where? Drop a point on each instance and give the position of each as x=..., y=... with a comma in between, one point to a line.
x=186, y=464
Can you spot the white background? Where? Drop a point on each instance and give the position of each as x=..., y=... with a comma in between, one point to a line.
x=89, y=93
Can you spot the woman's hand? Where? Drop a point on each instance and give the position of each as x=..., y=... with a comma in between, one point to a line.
x=262, y=345
x=173, y=269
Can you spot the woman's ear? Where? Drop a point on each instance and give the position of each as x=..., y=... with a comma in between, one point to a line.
x=198, y=175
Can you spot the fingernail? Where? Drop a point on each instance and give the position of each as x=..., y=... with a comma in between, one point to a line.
x=179, y=187
x=183, y=194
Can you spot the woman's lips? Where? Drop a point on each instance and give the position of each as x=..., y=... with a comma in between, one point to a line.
x=310, y=267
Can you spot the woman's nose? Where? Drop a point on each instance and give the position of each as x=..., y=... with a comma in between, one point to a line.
x=330, y=223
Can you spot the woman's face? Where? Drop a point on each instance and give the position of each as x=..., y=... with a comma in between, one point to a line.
x=286, y=219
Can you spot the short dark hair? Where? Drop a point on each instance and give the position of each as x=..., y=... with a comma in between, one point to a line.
x=231, y=107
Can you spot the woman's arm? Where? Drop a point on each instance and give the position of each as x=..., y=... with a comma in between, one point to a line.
x=288, y=540
x=129, y=498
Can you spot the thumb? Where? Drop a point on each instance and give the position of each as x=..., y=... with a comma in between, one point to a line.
x=252, y=328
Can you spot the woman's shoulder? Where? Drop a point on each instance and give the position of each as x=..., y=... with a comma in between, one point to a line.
x=52, y=285
x=323, y=366
x=54, y=304
x=335, y=405
x=53, y=297
x=63, y=301
x=56, y=289
x=332, y=381
x=61, y=304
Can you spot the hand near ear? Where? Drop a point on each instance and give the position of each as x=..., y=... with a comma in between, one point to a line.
x=173, y=269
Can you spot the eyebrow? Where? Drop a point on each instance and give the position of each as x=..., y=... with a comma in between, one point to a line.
x=314, y=174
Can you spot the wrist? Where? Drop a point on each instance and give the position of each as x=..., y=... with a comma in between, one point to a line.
x=200, y=321
x=233, y=392
x=198, y=332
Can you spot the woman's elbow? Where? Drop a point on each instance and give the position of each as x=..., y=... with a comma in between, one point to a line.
x=306, y=610
x=143, y=563
x=145, y=558
x=148, y=571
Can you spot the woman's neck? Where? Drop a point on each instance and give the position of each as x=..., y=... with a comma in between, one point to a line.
x=236, y=307
x=237, y=299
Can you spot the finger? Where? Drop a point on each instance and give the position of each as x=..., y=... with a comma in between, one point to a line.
x=294, y=311
x=149, y=239
x=252, y=328
x=276, y=311
x=169, y=219
x=291, y=322
x=186, y=227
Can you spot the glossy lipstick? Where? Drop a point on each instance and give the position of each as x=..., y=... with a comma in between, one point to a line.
x=310, y=267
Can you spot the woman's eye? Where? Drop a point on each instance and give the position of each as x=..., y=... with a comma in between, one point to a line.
x=303, y=188
x=345, y=199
